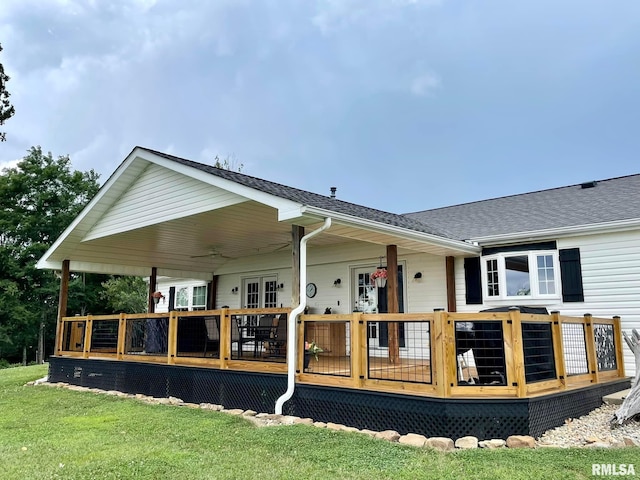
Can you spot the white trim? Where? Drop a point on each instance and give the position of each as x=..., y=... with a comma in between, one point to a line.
x=378, y=227
x=534, y=285
x=115, y=269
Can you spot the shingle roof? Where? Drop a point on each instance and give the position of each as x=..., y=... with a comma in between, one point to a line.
x=609, y=200
x=310, y=199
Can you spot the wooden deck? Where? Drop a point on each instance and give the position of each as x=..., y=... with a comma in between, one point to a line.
x=535, y=354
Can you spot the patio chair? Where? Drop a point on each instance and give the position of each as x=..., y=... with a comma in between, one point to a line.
x=239, y=335
x=278, y=341
x=264, y=332
x=212, y=325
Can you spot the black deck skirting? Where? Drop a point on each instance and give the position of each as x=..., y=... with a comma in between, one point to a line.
x=453, y=418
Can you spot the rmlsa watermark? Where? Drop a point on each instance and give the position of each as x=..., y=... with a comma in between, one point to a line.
x=613, y=469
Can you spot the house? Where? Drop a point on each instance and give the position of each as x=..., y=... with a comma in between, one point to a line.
x=212, y=239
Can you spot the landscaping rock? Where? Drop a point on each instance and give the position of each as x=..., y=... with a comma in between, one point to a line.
x=413, y=439
x=334, y=426
x=466, y=443
x=442, y=444
x=389, y=435
x=234, y=411
x=304, y=421
x=493, y=443
x=521, y=441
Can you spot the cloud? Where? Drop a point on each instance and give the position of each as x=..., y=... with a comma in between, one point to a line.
x=8, y=164
x=425, y=84
x=337, y=14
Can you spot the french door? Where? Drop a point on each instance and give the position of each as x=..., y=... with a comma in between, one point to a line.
x=258, y=292
x=370, y=299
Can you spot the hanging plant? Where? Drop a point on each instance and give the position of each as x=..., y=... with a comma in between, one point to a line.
x=379, y=277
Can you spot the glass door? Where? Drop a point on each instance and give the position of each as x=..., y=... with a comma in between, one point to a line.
x=370, y=299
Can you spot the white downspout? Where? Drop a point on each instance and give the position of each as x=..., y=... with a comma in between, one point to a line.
x=292, y=341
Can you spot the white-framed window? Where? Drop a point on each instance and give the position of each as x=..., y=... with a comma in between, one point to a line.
x=533, y=274
x=191, y=298
x=199, y=298
x=182, y=299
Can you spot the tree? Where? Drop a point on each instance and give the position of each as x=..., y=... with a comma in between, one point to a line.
x=6, y=109
x=631, y=404
x=228, y=164
x=38, y=199
x=125, y=294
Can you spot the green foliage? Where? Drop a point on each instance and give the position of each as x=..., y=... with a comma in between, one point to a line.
x=228, y=164
x=125, y=294
x=6, y=109
x=38, y=199
x=57, y=433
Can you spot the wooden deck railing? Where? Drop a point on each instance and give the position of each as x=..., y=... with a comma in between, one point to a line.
x=440, y=354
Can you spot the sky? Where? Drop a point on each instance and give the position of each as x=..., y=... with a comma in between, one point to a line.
x=403, y=105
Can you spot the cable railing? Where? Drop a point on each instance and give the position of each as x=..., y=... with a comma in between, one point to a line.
x=442, y=354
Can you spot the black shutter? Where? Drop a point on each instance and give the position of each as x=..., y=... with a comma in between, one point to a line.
x=473, y=281
x=172, y=298
x=571, y=274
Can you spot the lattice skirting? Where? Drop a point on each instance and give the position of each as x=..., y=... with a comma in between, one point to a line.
x=453, y=418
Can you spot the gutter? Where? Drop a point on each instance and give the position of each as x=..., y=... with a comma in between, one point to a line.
x=559, y=232
x=461, y=246
x=292, y=341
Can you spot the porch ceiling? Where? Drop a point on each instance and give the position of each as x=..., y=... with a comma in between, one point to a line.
x=201, y=244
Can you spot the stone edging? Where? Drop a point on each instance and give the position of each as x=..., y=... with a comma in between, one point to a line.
x=442, y=444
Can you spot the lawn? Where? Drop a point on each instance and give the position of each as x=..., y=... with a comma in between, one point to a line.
x=48, y=433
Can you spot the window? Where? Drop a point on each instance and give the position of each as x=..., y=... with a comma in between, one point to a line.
x=182, y=299
x=199, y=298
x=521, y=274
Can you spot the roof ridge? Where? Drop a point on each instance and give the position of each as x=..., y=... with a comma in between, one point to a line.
x=520, y=194
x=410, y=223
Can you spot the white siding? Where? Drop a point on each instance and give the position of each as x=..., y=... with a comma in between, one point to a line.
x=157, y=196
x=611, y=281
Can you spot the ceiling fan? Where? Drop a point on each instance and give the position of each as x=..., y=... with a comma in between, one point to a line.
x=212, y=254
x=269, y=248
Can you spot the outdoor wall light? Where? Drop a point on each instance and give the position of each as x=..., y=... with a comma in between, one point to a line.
x=234, y=290
x=280, y=286
x=418, y=275
x=337, y=282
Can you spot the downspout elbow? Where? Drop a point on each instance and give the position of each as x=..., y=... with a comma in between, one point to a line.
x=293, y=318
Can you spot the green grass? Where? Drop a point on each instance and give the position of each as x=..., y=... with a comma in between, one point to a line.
x=48, y=433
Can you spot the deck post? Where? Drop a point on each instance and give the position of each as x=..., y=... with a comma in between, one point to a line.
x=225, y=338
x=590, y=339
x=392, y=303
x=122, y=335
x=440, y=364
x=358, y=349
x=617, y=335
x=558, y=348
x=451, y=284
x=172, y=341
x=153, y=279
x=62, y=303
x=297, y=233
x=87, y=337
x=515, y=358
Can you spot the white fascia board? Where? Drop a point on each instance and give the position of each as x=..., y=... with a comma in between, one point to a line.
x=229, y=185
x=562, y=232
x=114, y=269
x=365, y=224
x=41, y=264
